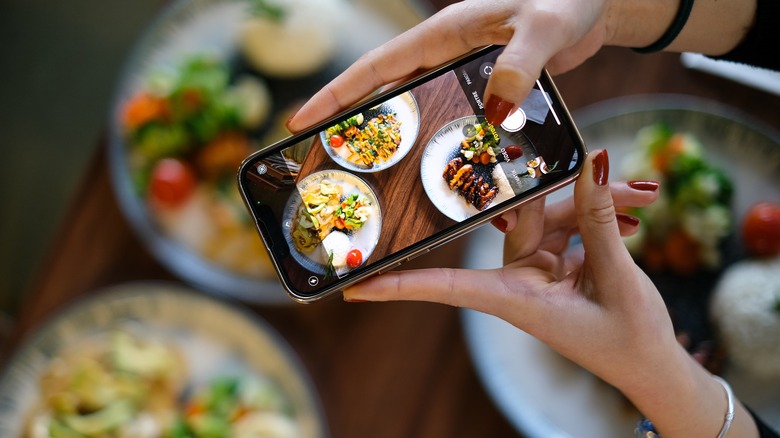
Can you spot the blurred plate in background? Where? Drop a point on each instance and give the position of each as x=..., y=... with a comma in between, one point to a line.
x=208, y=83
x=192, y=324
x=544, y=394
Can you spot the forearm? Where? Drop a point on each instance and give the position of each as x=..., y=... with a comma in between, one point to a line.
x=685, y=401
x=714, y=27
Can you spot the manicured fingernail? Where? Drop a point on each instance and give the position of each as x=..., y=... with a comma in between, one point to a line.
x=627, y=219
x=354, y=300
x=645, y=186
x=497, y=110
x=601, y=168
x=499, y=223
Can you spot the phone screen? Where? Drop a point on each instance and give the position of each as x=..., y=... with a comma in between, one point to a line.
x=403, y=173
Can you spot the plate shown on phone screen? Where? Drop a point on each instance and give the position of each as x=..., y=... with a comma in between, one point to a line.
x=445, y=145
x=407, y=117
x=363, y=239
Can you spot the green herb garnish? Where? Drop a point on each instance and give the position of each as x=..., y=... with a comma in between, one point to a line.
x=269, y=10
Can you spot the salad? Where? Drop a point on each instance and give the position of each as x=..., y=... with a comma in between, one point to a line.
x=324, y=208
x=369, y=145
x=127, y=385
x=480, y=143
x=239, y=407
x=683, y=229
x=123, y=386
x=187, y=131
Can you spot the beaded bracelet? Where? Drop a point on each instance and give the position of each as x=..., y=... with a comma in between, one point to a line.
x=645, y=429
x=671, y=33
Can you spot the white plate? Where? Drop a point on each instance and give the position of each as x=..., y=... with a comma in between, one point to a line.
x=406, y=111
x=545, y=395
x=191, y=322
x=364, y=239
x=444, y=146
x=191, y=27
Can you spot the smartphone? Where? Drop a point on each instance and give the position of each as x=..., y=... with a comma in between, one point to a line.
x=402, y=173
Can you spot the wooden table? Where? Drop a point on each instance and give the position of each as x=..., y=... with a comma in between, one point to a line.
x=382, y=370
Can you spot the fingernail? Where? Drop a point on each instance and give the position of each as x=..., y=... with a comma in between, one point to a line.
x=497, y=110
x=646, y=186
x=354, y=300
x=627, y=219
x=601, y=168
x=499, y=223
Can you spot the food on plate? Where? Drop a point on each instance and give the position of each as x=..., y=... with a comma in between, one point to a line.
x=745, y=310
x=354, y=258
x=315, y=216
x=761, y=229
x=129, y=384
x=474, y=189
x=236, y=406
x=353, y=212
x=338, y=246
x=187, y=132
x=290, y=38
x=121, y=385
x=480, y=143
x=366, y=144
x=328, y=217
x=683, y=229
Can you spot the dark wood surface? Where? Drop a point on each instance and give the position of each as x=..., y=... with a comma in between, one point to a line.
x=382, y=370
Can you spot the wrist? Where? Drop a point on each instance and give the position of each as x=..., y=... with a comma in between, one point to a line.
x=683, y=399
x=638, y=23
x=713, y=27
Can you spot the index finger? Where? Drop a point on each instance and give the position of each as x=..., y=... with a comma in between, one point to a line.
x=441, y=38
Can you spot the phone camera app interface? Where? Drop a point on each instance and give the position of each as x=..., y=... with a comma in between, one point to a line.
x=418, y=164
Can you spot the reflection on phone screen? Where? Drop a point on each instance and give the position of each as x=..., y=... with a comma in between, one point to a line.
x=417, y=165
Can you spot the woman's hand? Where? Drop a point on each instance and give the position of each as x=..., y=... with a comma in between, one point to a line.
x=594, y=306
x=559, y=34
x=556, y=34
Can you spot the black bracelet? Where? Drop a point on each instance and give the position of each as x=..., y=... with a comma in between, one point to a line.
x=671, y=33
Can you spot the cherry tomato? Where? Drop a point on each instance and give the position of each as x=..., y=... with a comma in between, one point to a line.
x=761, y=229
x=354, y=258
x=172, y=182
x=339, y=223
x=336, y=141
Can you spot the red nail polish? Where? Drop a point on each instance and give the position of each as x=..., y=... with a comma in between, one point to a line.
x=497, y=110
x=601, y=168
x=646, y=186
x=627, y=219
x=499, y=223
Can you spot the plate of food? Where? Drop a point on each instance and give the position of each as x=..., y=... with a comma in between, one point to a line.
x=377, y=139
x=131, y=360
x=210, y=82
x=719, y=206
x=465, y=165
x=332, y=222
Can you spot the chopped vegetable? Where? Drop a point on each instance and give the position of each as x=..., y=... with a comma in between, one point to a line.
x=372, y=144
x=761, y=229
x=172, y=182
x=682, y=230
x=480, y=143
x=354, y=258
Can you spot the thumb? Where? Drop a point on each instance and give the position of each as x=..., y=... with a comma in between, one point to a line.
x=598, y=225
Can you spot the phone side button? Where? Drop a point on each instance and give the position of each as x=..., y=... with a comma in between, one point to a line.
x=389, y=268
